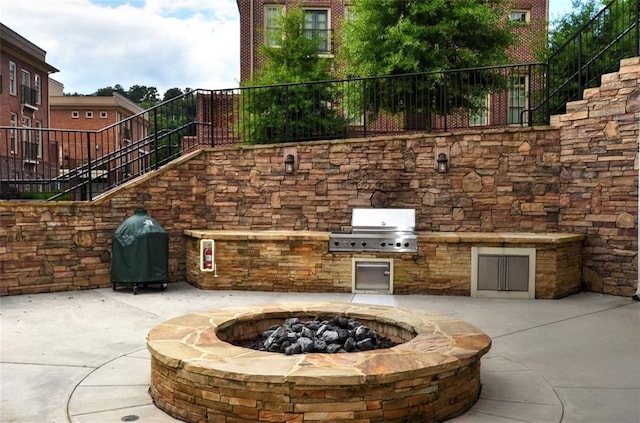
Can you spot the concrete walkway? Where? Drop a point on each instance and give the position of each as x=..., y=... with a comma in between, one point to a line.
x=81, y=357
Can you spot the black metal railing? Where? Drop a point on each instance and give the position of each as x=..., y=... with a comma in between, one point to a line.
x=432, y=101
x=81, y=165
x=596, y=49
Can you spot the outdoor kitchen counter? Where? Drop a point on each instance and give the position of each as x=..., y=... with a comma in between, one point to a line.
x=499, y=237
x=300, y=261
x=256, y=234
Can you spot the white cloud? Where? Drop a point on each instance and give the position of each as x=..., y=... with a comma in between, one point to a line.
x=160, y=43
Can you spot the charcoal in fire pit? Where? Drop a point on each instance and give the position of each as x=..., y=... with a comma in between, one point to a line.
x=337, y=335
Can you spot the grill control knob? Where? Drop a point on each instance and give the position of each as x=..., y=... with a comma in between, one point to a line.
x=364, y=243
x=382, y=244
x=353, y=244
x=406, y=245
x=398, y=244
x=336, y=243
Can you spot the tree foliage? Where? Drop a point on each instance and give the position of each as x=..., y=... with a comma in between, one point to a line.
x=142, y=95
x=275, y=107
x=390, y=37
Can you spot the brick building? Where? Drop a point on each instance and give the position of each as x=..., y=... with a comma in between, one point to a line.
x=101, y=114
x=24, y=102
x=324, y=17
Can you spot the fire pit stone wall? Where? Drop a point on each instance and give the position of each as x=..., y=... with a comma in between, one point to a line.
x=433, y=375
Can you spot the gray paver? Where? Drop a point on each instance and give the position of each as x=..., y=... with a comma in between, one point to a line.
x=81, y=356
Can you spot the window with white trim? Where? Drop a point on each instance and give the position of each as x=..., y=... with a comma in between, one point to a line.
x=37, y=86
x=38, y=138
x=316, y=24
x=29, y=152
x=75, y=114
x=13, y=138
x=103, y=115
x=349, y=14
x=26, y=78
x=480, y=117
x=273, y=24
x=13, y=79
x=517, y=99
x=88, y=115
x=25, y=88
x=520, y=16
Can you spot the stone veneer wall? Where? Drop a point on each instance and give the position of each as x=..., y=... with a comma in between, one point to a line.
x=576, y=177
x=599, y=138
x=298, y=261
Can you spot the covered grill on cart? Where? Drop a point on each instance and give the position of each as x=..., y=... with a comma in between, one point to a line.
x=140, y=253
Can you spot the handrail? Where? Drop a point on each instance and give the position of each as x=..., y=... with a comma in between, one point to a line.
x=523, y=94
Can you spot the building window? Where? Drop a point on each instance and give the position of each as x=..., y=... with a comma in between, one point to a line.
x=26, y=79
x=480, y=117
x=273, y=25
x=316, y=24
x=38, y=138
x=13, y=140
x=519, y=16
x=349, y=14
x=103, y=115
x=88, y=115
x=517, y=101
x=13, y=79
x=37, y=86
x=75, y=115
x=29, y=151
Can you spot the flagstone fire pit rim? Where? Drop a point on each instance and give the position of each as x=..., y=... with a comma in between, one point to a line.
x=441, y=343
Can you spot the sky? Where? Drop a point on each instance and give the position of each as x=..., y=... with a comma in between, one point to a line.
x=156, y=43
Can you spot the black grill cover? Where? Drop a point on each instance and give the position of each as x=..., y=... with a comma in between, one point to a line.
x=140, y=250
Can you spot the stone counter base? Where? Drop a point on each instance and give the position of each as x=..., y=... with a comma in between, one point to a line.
x=299, y=261
x=432, y=376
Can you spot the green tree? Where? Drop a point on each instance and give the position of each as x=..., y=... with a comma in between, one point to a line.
x=291, y=111
x=390, y=37
x=139, y=94
x=172, y=93
x=108, y=91
x=143, y=95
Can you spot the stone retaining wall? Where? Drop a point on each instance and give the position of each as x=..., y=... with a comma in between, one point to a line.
x=579, y=175
x=599, y=139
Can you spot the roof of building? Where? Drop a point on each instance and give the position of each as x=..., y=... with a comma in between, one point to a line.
x=117, y=100
x=16, y=44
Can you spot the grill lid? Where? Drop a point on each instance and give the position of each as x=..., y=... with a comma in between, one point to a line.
x=383, y=220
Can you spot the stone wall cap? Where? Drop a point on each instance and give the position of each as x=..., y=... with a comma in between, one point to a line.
x=249, y=234
x=510, y=237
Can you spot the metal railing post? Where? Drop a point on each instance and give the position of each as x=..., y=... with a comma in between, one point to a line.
x=445, y=101
x=212, y=126
x=89, y=179
x=637, y=23
x=155, y=138
x=364, y=108
x=580, y=89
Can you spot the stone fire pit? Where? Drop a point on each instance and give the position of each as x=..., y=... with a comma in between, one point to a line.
x=198, y=375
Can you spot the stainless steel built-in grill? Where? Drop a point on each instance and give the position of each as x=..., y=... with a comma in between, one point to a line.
x=378, y=230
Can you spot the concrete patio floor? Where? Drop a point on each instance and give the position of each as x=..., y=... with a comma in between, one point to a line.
x=80, y=356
